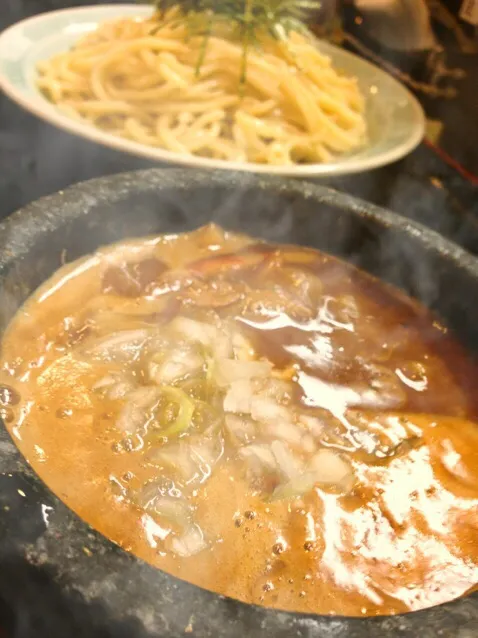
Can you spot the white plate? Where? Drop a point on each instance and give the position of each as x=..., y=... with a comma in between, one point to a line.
x=395, y=118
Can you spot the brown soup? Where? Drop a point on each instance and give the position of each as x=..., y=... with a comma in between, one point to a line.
x=264, y=421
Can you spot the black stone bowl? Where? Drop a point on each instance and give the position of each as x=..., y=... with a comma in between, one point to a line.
x=60, y=578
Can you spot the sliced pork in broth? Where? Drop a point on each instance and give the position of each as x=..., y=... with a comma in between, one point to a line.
x=264, y=421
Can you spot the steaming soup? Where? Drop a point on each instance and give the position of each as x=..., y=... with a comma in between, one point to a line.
x=264, y=421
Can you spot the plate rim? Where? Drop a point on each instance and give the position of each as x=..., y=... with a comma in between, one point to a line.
x=57, y=119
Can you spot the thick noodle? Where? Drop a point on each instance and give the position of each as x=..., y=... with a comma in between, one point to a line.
x=139, y=79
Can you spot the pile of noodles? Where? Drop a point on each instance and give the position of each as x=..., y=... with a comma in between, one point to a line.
x=140, y=79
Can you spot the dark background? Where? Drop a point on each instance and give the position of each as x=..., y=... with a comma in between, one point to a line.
x=36, y=159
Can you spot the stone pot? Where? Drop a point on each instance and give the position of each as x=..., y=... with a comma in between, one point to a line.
x=58, y=577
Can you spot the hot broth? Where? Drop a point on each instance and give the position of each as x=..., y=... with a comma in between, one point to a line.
x=264, y=421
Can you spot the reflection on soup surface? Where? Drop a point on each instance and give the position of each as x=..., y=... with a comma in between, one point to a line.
x=264, y=421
